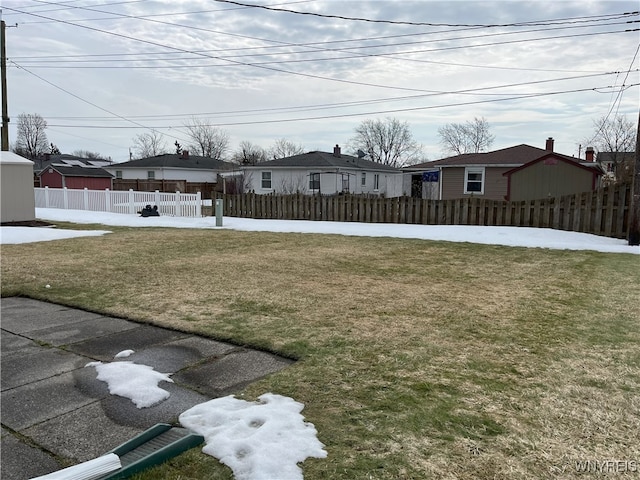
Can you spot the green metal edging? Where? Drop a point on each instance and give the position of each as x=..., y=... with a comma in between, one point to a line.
x=172, y=449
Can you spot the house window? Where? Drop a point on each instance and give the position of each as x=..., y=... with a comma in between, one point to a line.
x=151, y=175
x=376, y=181
x=363, y=182
x=314, y=181
x=345, y=182
x=119, y=174
x=474, y=180
x=266, y=180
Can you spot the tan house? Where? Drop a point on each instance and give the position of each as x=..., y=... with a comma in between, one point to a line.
x=488, y=175
x=551, y=176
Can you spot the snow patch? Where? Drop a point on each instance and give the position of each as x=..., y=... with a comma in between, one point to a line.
x=261, y=440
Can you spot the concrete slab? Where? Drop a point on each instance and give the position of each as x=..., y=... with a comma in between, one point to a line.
x=37, y=316
x=205, y=347
x=23, y=369
x=30, y=404
x=53, y=404
x=83, y=330
x=124, y=412
x=16, y=345
x=222, y=376
x=106, y=347
x=22, y=462
x=81, y=435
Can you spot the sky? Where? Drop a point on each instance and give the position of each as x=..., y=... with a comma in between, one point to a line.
x=506, y=236
x=101, y=72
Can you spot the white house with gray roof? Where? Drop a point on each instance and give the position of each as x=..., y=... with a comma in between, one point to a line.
x=323, y=173
x=191, y=168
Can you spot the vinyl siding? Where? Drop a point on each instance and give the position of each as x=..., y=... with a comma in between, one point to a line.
x=495, y=184
x=542, y=180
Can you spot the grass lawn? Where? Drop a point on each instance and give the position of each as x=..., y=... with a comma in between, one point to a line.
x=417, y=359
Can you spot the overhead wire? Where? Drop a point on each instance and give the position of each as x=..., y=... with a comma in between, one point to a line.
x=252, y=112
x=413, y=23
x=242, y=63
x=358, y=114
x=328, y=78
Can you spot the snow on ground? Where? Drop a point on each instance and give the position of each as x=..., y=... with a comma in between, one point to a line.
x=261, y=440
x=507, y=236
x=131, y=380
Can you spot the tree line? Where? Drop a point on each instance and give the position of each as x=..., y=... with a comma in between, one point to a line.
x=389, y=141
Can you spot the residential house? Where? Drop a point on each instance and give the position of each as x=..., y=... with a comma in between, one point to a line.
x=616, y=165
x=488, y=175
x=551, y=176
x=323, y=173
x=177, y=170
x=69, y=171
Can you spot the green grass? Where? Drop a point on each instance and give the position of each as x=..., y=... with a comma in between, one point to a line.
x=416, y=359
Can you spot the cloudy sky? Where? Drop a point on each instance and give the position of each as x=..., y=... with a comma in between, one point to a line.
x=103, y=71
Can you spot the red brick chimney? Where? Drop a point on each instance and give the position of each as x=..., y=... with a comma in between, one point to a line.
x=589, y=154
x=549, y=145
x=336, y=151
x=185, y=155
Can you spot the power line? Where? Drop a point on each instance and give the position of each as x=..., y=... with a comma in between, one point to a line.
x=251, y=112
x=379, y=112
x=428, y=24
x=137, y=124
x=285, y=44
x=57, y=59
x=265, y=67
x=617, y=100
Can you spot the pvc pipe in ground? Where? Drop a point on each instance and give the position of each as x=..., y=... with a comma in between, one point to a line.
x=219, y=212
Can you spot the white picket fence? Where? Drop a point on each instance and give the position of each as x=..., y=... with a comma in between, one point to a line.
x=171, y=204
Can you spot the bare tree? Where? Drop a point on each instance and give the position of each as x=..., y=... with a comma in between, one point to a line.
x=88, y=154
x=389, y=142
x=470, y=137
x=617, y=137
x=207, y=140
x=249, y=154
x=31, y=140
x=294, y=183
x=283, y=148
x=149, y=144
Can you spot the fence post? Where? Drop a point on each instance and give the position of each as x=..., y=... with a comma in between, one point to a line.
x=85, y=198
x=132, y=207
x=198, y=204
x=177, y=202
x=107, y=200
x=157, y=198
x=65, y=199
x=46, y=197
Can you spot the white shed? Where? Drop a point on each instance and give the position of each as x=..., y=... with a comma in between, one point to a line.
x=17, y=198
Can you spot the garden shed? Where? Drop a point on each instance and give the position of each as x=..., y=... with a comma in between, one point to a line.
x=16, y=193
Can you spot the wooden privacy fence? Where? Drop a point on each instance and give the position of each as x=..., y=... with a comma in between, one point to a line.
x=601, y=212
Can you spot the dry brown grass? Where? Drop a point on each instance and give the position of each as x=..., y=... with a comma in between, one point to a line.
x=417, y=359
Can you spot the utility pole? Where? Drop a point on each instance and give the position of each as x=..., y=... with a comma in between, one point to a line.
x=3, y=73
x=634, y=208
